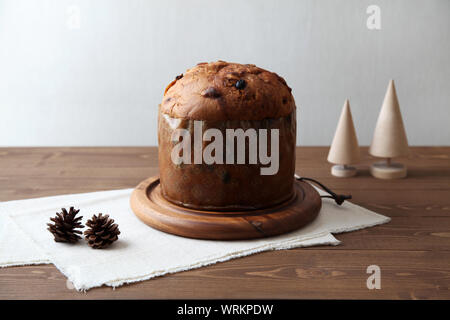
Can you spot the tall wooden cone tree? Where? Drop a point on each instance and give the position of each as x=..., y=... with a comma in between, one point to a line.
x=389, y=139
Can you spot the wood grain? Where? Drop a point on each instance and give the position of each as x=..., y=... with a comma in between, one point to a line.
x=149, y=205
x=413, y=250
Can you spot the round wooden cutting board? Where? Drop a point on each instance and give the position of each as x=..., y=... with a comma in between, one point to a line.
x=151, y=207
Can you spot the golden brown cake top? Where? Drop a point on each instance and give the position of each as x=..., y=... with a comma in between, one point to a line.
x=227, y=91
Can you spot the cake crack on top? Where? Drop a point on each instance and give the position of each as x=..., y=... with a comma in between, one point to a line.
x=227, y=91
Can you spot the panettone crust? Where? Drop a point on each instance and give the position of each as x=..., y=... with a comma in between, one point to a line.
x=227, y=91
x=227, y=186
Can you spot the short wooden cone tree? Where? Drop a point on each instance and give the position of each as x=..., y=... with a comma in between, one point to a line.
x=344, y=149
x=389, y=139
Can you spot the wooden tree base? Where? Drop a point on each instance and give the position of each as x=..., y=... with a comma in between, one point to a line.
x=153, y=209
x=383, y=171
x=343, y=171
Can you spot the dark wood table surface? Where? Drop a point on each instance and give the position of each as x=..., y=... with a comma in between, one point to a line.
x=413, y=250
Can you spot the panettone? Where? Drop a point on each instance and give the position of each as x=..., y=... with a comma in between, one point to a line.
x=222, y=95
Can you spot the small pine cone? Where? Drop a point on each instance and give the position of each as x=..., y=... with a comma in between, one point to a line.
x=102, y=231
x=65, y=223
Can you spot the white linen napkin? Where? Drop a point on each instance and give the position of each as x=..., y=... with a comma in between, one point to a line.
x=142, y=252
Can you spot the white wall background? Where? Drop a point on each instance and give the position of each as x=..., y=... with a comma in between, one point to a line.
x=100, y=84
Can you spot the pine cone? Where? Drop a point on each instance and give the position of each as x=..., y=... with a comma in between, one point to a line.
x=102, y=231
x=64, y=226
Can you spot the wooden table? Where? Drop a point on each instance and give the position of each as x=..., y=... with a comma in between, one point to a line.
x=413, y=250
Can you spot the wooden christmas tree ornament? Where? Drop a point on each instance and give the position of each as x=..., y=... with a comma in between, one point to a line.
x=389, y=139
x=344, y=149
